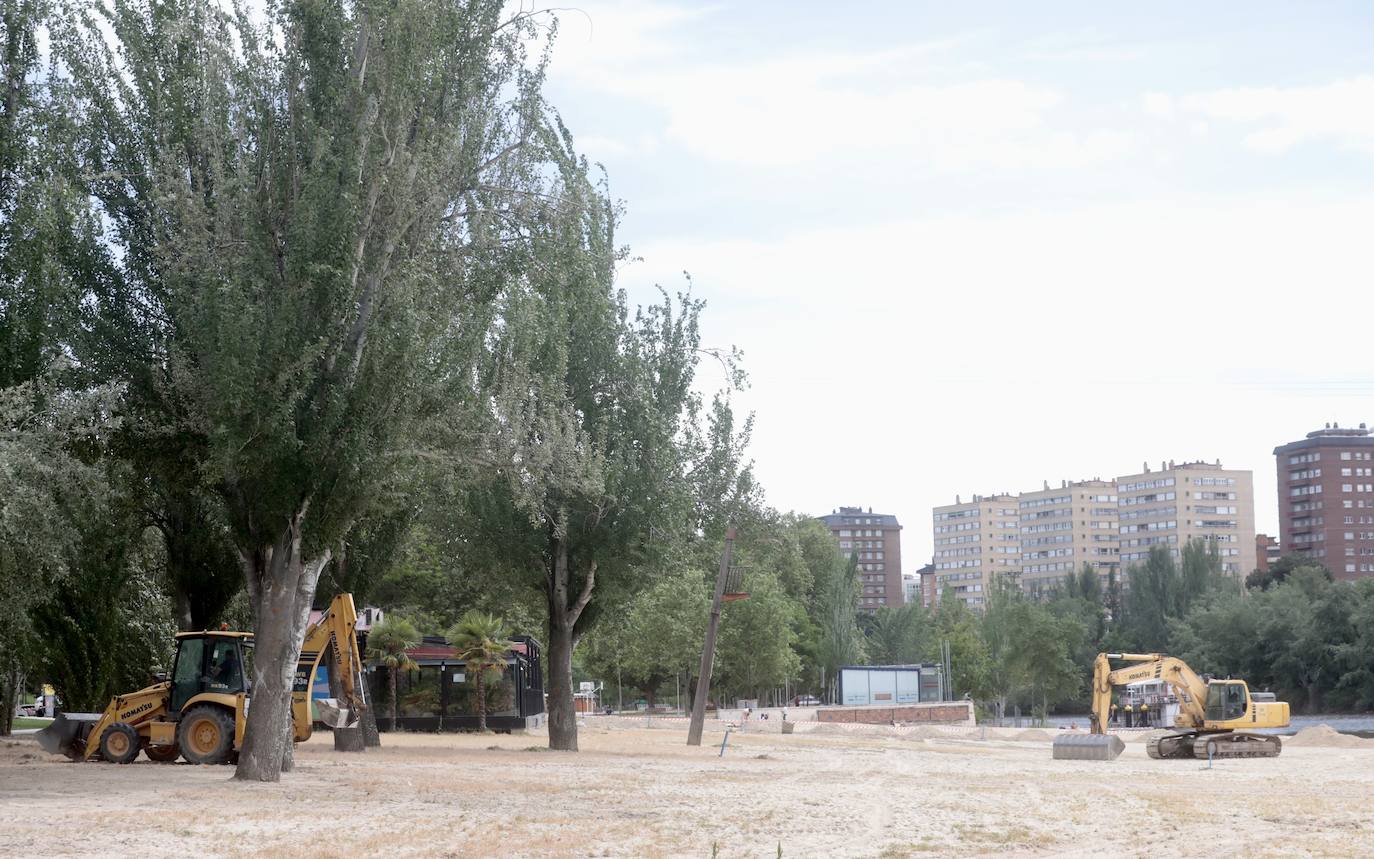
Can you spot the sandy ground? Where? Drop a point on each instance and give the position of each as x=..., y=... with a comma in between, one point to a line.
x=637, y=792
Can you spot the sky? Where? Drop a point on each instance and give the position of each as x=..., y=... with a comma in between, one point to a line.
x=969, y=248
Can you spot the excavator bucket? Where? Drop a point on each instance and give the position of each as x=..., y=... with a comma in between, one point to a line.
x=1088, y=747
x=67, y=734
x=332, y=712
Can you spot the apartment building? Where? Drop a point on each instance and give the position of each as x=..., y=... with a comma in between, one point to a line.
x=876, y=538
x=925, y=583
x=1267, y=550
x=1326, y=499
x=975, y=541
x=1038, y=538
x=1064, y=528
x=1181, y=502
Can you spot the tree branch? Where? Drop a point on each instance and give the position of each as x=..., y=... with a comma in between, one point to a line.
x=583, y=598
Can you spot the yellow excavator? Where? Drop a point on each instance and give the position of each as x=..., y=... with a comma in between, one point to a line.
x=1213, y=715
x=198, y=713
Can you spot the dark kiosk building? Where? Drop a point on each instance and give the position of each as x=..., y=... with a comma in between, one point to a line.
x=437, y=694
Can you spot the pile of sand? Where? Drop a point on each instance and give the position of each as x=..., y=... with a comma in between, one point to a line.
x=1033, y=735
x=1327, y=736
x=1142, y=736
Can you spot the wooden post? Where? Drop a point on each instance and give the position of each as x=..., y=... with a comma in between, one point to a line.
x=708, y=651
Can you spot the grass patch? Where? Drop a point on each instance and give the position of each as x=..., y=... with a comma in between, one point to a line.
x=1015, y=835
x=919, y=848
x=24, y=722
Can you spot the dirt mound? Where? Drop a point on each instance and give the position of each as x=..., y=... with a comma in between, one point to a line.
x=1142, y=736
x=1325, y=735
x=1033, y=735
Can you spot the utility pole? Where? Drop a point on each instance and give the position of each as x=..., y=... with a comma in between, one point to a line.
x=708, y=651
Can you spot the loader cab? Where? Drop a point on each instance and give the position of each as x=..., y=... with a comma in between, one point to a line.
x=1227, y=700
x=210, y=662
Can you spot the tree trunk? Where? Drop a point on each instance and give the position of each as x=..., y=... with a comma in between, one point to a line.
x=183, y=618
x=481, y=703
x=391, y=679
x=562, y=716
x=281, y=585
x=1313, y=698
x=563, y=619
x=371, y=737
x=11, y=682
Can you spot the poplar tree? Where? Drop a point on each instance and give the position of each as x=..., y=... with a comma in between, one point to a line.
x=309, y=211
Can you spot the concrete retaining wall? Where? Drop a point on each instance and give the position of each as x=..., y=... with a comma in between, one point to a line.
x=942, y=713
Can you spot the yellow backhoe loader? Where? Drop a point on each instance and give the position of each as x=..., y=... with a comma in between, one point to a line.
x=198, y=713
x=1213, y=715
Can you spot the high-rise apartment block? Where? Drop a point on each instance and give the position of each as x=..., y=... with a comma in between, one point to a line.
x=876, y=540
x=974, y=541
x=1326, y=499
x=1191, y=500
x=1267, y=551
x=1038, y=538
x=1062, y=529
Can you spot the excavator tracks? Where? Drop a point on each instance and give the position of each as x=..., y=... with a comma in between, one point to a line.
x=1236, y=746
x=1215, y=746
x=1171, y=746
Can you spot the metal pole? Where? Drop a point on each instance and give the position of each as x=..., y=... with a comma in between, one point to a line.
x=708, y=651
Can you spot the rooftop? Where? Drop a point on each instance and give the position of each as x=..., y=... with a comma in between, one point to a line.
x=1170, y=465
x=1330, y=434
x=848, y=515
x=1335, y=430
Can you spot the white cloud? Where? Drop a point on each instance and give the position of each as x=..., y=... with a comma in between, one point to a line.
x=795, y=109
x=789, y=113
x=606, y=38
x=1280, y=118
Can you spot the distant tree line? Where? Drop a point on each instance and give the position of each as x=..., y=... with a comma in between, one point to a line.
x=1292, y=630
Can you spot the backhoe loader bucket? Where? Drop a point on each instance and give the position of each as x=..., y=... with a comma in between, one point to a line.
x=1087, y=747
x=67, y=734
x=332, y=712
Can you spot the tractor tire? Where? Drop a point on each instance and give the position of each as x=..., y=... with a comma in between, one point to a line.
x=120, y=743
x=205, y=734
x=162, y=754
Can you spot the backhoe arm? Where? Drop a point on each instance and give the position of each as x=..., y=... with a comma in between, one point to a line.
x=1147, y=666
x=333, y=635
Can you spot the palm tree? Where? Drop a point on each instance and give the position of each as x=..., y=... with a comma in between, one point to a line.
x=387, y=643
x=481, y=642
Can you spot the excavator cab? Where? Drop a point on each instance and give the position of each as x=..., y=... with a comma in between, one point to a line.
x=209, y=662
x=1227, y=700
